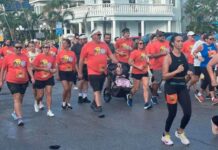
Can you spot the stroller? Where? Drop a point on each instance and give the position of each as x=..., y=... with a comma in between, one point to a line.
x=118, y=83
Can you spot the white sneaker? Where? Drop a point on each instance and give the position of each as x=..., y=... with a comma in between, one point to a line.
x=36, y=107
x=75, y=88
x=166, y=139
x=183, y=138
x=50, y=113
x=41, y=106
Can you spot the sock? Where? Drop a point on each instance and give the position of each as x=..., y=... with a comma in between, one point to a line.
x=84, y=94
x=80, y=94
x=64, y=103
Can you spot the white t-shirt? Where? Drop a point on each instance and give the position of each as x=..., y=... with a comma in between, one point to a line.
x=195, y=46
x=32, y=56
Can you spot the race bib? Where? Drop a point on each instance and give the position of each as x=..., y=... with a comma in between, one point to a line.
x=20, y=74
x=171, y=98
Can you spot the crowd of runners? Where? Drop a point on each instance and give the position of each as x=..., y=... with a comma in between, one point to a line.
x=179, y=64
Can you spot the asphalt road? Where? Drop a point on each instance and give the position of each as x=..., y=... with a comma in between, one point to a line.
x=123, y=128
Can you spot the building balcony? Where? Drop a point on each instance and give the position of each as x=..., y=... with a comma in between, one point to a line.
x=131, y=10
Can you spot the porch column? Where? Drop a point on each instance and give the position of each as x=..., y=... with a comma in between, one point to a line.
x=142, y=28
x=113, y=30
x=169, y=26
x=92, y=25
x=65, y=30
x=80, y=27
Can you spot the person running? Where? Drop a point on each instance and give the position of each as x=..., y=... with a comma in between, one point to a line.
x=175, y=68
x=158, y=50
x=96, y=52
x=197, y=62
x=53, y=50
x=139, y=61
x=16, y=66
x=83, y=83
x=123, y=48
x=67, y=68
x=7, y=49
x=207, y=50
x=187, y=51
x=45, y=68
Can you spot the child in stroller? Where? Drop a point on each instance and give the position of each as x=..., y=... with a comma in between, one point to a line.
x=118, y=83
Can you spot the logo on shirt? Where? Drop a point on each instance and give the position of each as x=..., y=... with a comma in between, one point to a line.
x=143, y=56
x=125, y=46
x=163, y=49
x=99, y=50
x=45, y=63
x=19, y=63
x=67, y=59
x=190, y=47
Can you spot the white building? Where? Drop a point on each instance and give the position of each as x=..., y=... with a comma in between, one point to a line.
x=141, y=16
x=111, y=16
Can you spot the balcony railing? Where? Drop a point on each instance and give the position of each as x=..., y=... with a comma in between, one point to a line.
x=122, y=10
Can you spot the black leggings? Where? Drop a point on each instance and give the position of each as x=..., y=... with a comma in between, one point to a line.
x=206, y=81
x=185, y=102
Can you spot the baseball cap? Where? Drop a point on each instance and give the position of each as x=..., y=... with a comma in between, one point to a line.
x=190, y=33
x=95, y=31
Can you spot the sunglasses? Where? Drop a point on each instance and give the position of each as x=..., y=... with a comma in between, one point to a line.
x=140, y=43
x=99, y=34
x=46, y=47
x=18, y=47
x=212, y=39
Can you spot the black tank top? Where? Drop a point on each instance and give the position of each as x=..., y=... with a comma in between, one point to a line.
x=176, y=61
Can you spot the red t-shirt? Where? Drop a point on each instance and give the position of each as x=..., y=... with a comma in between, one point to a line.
x=1, y=61
x=140, y=59
x=186, y=49
x=96, y=55
x=66, y=60
x=7, y=50
x=43, y=61
x=24, y=51
x=53, y=51
x=125, y=46
x=156, y=48
x=16, y=66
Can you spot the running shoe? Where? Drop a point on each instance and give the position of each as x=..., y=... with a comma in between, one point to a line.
x=208, y=97
x=20, y=122
x=75, y=88
x=154, y=100
x=199, y=97
x=166, y=139
x=93, y=105
x=80, y=99
x=14, y=116
x=86, y=100
x=50, y=113
x=214, y=101
x=99, y=111
x=129, y=100
x=147, y=105
x=41, y=106
x=64, y=105
x=36, y=107
x=182, y=137
x=69, y=106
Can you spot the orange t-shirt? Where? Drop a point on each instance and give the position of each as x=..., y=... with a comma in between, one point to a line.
x=186, y=49
x=140, y=59
x=96, y=55
x=7, y=50
x=125, y=46
x=43, y=61
x=53, y=51
x=16, y=66
x=148, y=51
x=156, y=48
x=66, y=60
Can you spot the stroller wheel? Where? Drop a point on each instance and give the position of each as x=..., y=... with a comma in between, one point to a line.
x=106, y=96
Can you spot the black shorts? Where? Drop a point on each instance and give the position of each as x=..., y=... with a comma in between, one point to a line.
x=191, y=67
x=85, y=73
x=17, y=88
x=70, y=76
x=197, y=70
x=139, y=76
x=42, y=84
x=97, y=82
